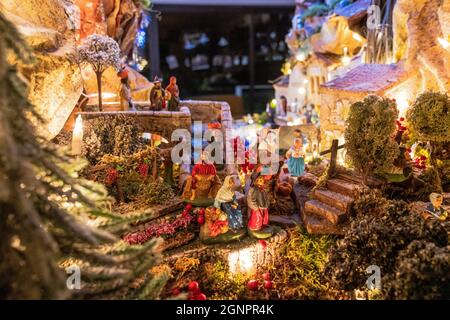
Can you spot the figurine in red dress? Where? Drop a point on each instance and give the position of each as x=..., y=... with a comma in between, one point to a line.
x=258, y=206
x=203, y=182
x=174, y=91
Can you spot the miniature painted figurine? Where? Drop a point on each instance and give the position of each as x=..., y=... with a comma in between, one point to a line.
x=157, y=96
x=284, y=105
x=217, y=228
x=125, y=90
x=226, y=201
x=435, y=209
x=258, y=205
x=296, y=158
x=202, y=186
x=174, y=91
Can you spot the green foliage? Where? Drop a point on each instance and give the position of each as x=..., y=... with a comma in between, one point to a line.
x=146, y=4
x=378, y=237
x=157, y=192
x=298, y=271
x=114, y=135
x=315, y=161
x=221, y=284
x=422, y=272
x=314, y=10
x=45, y=209
x=429, y=117
x=369, y=135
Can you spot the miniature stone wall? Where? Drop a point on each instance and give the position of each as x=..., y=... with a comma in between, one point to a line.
x=162, y=123
x=247, y=256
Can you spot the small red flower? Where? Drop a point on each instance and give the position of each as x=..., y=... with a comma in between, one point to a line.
x=263, y=244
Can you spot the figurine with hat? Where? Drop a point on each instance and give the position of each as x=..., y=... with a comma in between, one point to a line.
x=157, y=96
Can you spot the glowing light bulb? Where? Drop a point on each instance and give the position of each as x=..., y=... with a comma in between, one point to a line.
x=346, y=58
x=444, y=43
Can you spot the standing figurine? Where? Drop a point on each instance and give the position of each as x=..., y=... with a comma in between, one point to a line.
x=226, y=201
x=174, y=91
x=258, y=205
x=157, y=96
x=296, y=158
x=125, y=92
x=284, y=105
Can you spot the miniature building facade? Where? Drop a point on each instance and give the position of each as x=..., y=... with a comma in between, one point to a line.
x=386, y=80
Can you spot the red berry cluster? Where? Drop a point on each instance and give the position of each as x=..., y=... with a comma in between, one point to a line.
x=201, y=216
x=420, y=162
x=143, y=169
x=401, y=125
x=194, y=291
x=111, y=176
x=158, y=230
x=254, y=284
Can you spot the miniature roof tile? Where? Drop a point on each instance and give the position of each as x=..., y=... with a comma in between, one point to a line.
x=368, y=78
x=354, y=12
x=282, y=81
x=328, y=59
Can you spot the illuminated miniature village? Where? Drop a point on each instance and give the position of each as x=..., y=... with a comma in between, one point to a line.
x=117, y=186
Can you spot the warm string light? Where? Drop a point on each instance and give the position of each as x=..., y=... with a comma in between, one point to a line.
x=77, y=136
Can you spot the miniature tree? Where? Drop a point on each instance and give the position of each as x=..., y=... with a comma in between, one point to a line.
x=44, y=208
x=369, y=135
x=101, y=52
x=429, y=117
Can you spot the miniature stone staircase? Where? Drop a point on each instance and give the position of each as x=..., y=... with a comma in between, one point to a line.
x=328, y=210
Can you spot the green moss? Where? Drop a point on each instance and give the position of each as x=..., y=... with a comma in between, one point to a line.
x=429, y=117
x=369, y=136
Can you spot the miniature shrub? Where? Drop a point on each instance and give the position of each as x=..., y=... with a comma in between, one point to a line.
x=157, y=192
x=370, y=201
x=422, y=272
x=429, y=117
x=369, y=135
x=374, y=239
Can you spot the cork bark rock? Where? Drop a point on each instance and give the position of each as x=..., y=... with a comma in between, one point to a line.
x=417, y=26
x=53, y=29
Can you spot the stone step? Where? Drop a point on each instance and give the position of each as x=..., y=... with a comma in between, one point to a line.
x=332, y=215
x=308, y=179
x=357, y=179
x=317, y=225
x=334, y=199
x=344, y=187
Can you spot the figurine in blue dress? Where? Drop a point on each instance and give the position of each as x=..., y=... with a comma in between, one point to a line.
x=296, y=158
x=226, y=201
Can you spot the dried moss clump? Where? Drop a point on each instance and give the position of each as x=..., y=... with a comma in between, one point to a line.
x=429, y=117
x=369, y=136
x=374, y=239
x=422, y=272
x=115, y=135
x=157, y=192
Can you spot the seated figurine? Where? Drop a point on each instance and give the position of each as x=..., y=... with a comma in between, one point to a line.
x=217, y=229
x=434, y=208
x=226, y=202
x=202, y=186
x=258, y=206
